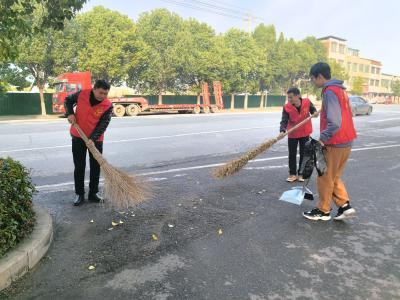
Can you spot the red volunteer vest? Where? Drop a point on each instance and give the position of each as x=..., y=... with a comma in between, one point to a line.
x=295, y=117
x=346, y=132
x=87, y=116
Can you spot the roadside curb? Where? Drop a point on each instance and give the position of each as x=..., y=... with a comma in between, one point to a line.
x=29, y=252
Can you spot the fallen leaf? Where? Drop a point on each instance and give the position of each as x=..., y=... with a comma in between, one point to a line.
x=133, y=215
x=171, y=225
x=179, y=204
x=109, y=229
x=220, y=231
x=92, y=267
x=91, y=221
x=252, y=213
x=114, y=223
x=120, y=222
x=154, y=237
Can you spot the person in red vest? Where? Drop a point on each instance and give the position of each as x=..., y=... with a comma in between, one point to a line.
x=296, y=110
x=93, y=114
x=337, y=134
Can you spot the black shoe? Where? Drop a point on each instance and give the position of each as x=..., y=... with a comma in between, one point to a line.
x=93, y=197
x=344, y=212
x=79, y=200
x=315, y=214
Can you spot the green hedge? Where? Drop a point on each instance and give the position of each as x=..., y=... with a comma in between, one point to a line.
x=17, y=216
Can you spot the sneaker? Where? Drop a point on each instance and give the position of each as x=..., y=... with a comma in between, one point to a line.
x=344, y=212
x=300, y=178
x=315, y=214
x=291, y=178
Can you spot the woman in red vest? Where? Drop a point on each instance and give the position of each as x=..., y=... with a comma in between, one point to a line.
x=337, y=134
x=93, y=114
x=296, y=110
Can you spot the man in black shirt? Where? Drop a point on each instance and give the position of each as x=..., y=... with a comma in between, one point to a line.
x=93, y=114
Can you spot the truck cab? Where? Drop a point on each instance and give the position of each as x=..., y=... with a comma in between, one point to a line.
x=67, y=84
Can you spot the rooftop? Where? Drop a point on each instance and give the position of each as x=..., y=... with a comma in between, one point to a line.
x=332, y=37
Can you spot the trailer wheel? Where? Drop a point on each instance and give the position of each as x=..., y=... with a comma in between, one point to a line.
x=214, y=109
x=119, y=110
x=206, y=109
x=196, y=110
x=133, y=110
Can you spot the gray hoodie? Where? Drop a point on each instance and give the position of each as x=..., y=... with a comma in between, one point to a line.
x=333, y=112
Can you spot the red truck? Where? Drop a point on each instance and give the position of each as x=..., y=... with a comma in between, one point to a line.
x=69, y=83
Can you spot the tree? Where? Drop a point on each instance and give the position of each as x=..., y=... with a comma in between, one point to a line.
x=157, y=71
x=11, y=75
x=16, y=17
x=248, y=61
x=265, y=37
x=101, y=41
x=36, y=56
x=338, y=71
x=396, y=88
x=195, y=63
x=357, y=87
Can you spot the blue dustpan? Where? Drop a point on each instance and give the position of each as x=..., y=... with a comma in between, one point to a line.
x=297, y=194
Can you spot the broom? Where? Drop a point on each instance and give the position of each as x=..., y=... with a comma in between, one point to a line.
x=236, y=165
x=121, y=189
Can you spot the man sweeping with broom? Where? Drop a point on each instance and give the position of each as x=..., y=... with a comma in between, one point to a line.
x=93, y=114
x=337, y=134
x=296, y=110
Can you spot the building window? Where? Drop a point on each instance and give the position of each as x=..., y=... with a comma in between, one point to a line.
x=373, y=70
x=377, y=70
x=366, y=69
x=376, y=82
x=334, y=47
x=385, y=83
x=371, y=82
x=354, y=67
x=341, y=48
x=361, y=68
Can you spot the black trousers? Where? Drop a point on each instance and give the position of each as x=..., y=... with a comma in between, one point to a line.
x=79, y=151
x=292, y=144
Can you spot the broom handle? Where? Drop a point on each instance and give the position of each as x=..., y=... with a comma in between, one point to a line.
x=81, y=133
x=314, y=115
x=92, y=148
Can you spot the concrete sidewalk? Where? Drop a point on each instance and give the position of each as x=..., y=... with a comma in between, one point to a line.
x=29, y=252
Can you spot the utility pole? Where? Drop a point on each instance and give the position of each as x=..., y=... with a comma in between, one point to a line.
x=250, y=18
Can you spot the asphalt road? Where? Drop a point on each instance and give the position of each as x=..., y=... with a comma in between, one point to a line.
x=229, y=239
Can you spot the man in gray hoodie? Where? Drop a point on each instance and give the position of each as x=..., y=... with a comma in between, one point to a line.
x=337, y=134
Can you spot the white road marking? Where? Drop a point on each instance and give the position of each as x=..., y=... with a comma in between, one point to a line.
x=383, y=120
x=144, y=138
x=50, y=186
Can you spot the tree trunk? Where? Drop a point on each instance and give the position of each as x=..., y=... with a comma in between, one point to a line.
x=42, y=103
x=232, y=101
x=160, y=98
x=246, y=100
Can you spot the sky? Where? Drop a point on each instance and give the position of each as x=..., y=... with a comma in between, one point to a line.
x=371, y=26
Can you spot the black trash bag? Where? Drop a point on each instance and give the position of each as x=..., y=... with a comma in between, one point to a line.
x=313, y=156
x=320, y=161
x=308, y=163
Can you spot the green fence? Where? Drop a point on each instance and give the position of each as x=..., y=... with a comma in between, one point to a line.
x=23, y=104
x=29, y=103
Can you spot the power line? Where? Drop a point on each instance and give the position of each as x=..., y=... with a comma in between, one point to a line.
x=222, y=5
x=184, y=4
